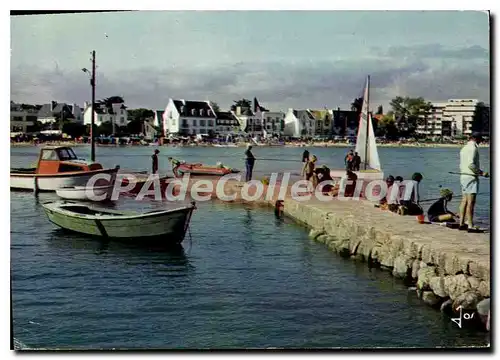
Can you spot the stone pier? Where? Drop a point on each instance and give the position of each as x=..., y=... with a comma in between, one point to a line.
x=448, y=266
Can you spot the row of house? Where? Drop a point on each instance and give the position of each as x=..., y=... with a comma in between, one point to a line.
x=23, y=117
x=187, y=117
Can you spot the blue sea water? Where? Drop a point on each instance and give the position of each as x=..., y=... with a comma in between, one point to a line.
x=243, y=279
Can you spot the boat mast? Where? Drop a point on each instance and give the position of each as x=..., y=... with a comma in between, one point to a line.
x=367, y=119
x=92, y=121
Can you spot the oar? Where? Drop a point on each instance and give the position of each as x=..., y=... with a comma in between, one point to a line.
x=457, y=173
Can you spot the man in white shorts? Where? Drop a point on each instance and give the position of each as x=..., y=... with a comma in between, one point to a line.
x=469, y=179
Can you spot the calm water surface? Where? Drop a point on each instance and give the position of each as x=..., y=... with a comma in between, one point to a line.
x=243, y=278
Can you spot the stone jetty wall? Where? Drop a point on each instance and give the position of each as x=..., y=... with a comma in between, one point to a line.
x=449, y=267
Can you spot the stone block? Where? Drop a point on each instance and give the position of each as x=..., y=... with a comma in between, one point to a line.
x=402, y=263
x=456, y=285
x=414, y=268
x=484, y=288
x=430, y=298
x=467, y=300
x=424, y=276
x=474, y=282
x=436, y=283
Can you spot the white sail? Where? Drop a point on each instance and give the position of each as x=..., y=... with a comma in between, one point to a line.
x=367, y=138
x=373, y=161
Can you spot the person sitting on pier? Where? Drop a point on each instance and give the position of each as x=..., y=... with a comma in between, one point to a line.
x=438, y=212
x=411, y=206
x=350, y=184
x=383, y=202
x=322, y=174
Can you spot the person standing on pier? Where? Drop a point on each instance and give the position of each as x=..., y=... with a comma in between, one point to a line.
x=469, y=179
x=155, y=161
x=309, y=166
x=249, y=163
x=356, y=162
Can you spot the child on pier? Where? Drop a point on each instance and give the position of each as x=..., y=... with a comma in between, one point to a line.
x=438, y=212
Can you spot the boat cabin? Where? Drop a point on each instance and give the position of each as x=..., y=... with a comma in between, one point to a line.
x=58, y=159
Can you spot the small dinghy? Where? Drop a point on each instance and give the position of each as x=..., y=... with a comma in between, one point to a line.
x=202, y=170
x=84, y=193
x=169, y=226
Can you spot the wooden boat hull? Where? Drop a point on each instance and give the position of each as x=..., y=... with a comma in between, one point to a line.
x=26, y=181
x=200, y=170
x=82, y=193
x=169, y=226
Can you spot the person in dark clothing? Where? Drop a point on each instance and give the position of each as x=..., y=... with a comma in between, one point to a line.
x=348, y=160
x=356, y=162
x=350, y=188
x=155, y=161
x=305, y=156
x=323, y=174
x=249, y=163
x=438, y=212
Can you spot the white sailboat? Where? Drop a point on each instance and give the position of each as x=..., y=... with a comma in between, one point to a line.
x=366, y=145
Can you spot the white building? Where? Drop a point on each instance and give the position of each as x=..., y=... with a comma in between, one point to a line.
x=250, y=122
x=118, y=114
x=184, y=117
x=22, y=117
x=273, y=123
x=299, y=123
x=452, y=118
x=431, y=124
x=226, y=124
x=50, y=113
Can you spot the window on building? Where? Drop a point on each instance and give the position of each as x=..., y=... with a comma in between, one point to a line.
x=17, y=118
x=193, y=112
x=122, y=119
x=185, y=123
x=203, y=131
x=173, y=122
x=210, y=123
x=201, y=112
x=194, y=122
x=209, y=112
x=202, y=122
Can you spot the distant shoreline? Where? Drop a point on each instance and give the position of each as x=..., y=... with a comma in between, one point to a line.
x=299, y=145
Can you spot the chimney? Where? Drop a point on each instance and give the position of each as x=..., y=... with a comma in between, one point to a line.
x=53, y=104
x=238, y=110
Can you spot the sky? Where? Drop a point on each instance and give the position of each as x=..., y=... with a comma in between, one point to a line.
x=287, y=59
